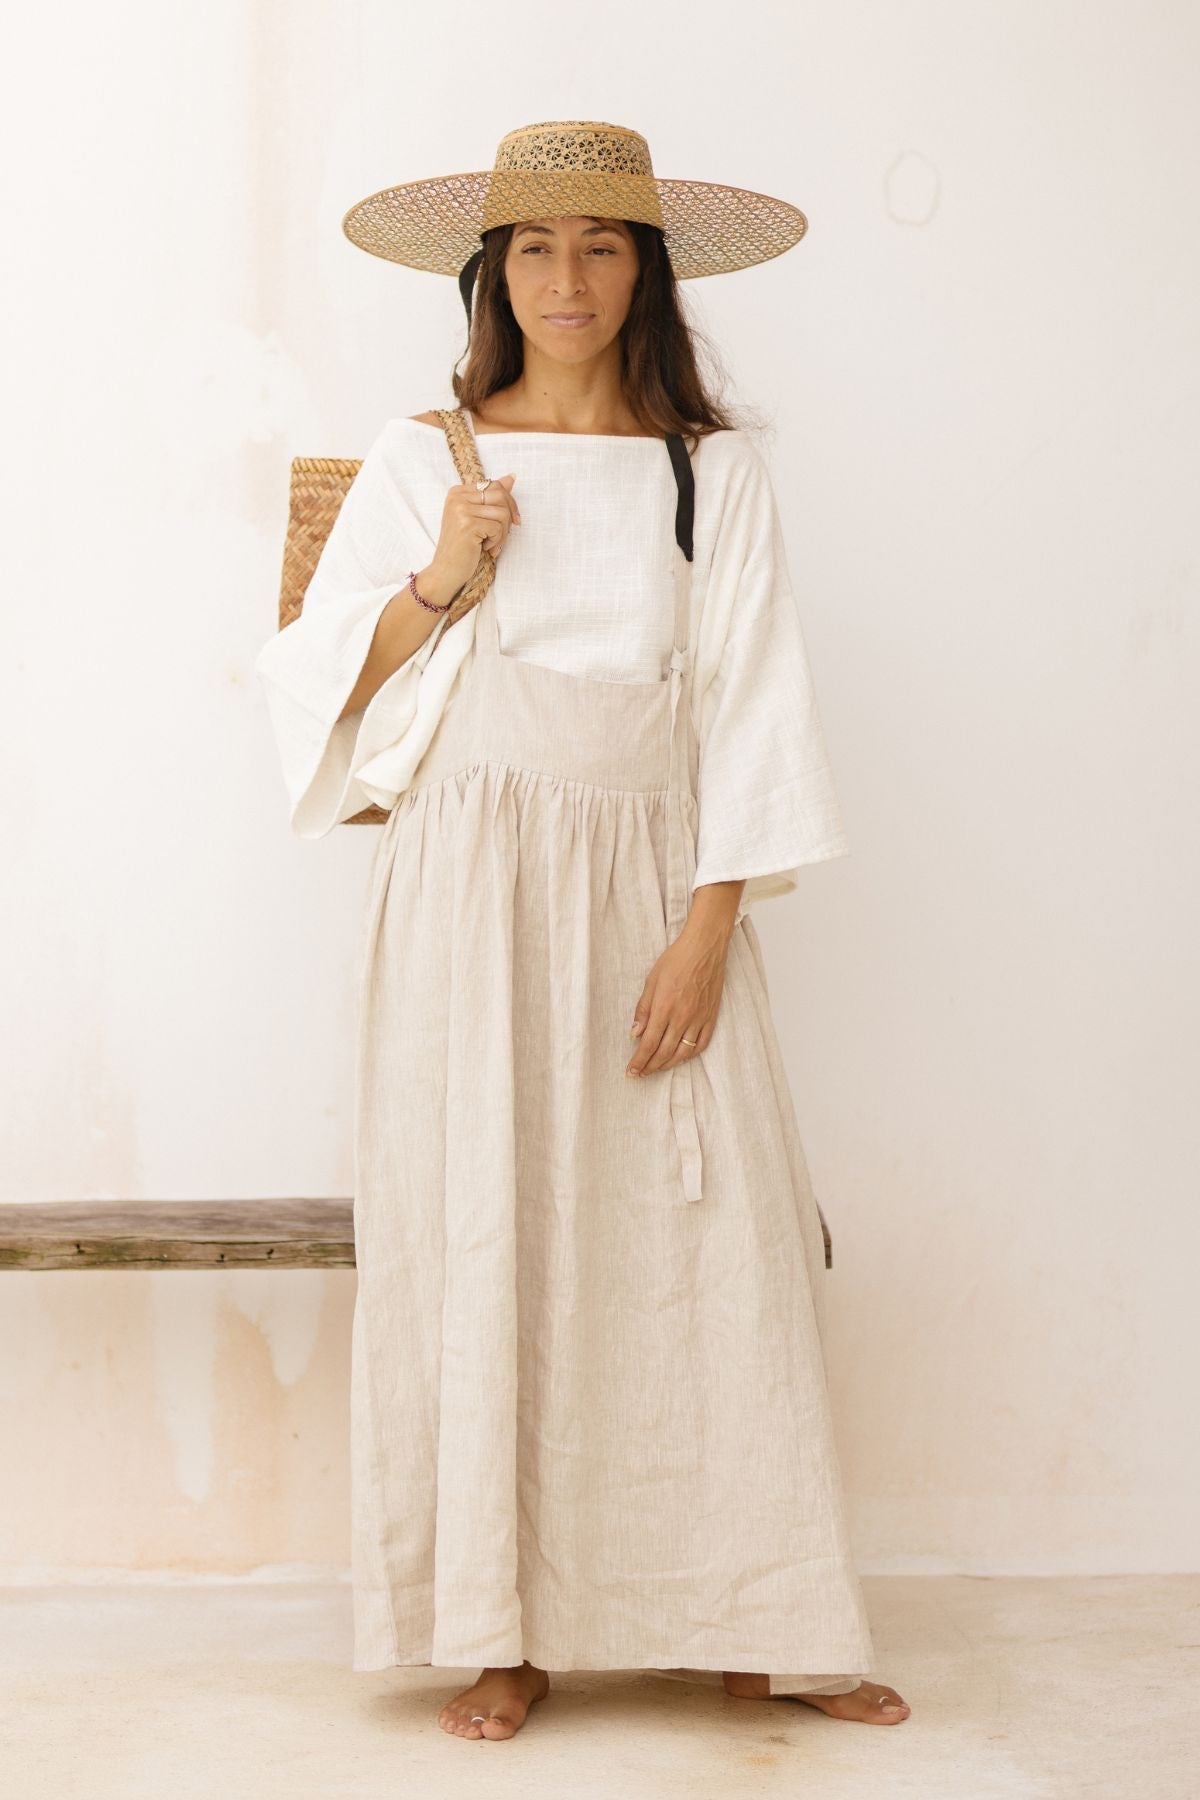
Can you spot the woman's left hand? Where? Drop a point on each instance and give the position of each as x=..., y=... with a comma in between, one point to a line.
x=680, y=1000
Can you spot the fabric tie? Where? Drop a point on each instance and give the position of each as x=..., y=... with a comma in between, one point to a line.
x=680, y=872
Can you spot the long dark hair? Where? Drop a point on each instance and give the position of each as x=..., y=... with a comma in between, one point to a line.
x=660, y=374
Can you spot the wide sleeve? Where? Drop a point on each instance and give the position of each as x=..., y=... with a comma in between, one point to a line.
x=334, y=767
x=766, y=798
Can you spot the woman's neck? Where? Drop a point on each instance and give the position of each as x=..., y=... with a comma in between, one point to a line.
x=593, y=408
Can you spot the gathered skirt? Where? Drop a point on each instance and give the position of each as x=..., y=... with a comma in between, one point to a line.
x=589, y=1418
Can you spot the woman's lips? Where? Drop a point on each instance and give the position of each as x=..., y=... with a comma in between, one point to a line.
x=570, y=321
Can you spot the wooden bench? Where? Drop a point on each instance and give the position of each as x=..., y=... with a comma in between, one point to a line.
x=187, y=1234
x=178, y=1234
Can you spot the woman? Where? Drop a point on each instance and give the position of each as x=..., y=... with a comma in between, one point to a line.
x=590, y=1425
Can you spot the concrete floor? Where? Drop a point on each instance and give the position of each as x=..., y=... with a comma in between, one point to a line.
x=1037, y=1688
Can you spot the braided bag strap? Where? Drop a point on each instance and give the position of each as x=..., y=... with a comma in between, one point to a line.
x=465, y=452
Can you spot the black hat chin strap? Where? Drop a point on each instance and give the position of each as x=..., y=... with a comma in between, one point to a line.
x=466, y=281
x=685, y=482
x=681, y=462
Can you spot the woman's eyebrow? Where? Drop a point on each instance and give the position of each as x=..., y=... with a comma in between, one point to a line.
x=546, y=231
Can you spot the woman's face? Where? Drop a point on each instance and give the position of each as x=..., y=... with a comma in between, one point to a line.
x=557, y=269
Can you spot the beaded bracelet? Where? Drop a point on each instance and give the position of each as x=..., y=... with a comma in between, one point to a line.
x=412, y=582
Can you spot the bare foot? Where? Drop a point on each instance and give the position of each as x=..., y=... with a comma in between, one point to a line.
x=503, y=1696
x=870, y=1702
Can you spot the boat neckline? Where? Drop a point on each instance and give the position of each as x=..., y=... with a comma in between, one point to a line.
x=603, y=437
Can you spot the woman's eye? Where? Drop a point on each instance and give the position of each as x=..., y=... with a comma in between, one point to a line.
x=604, y=249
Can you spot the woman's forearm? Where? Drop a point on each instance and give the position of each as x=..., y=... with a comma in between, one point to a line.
x=714, y=908
x=401, y=629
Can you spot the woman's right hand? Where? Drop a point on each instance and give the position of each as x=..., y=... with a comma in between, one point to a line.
x=473, y=520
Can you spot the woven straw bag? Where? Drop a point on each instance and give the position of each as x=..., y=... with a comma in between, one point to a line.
x=316, y=490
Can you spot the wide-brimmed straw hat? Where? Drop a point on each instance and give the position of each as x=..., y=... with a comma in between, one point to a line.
x=562, y=169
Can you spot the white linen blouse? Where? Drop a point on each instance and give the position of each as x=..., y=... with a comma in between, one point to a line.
x=584, y=584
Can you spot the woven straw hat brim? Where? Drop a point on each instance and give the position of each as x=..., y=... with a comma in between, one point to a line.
x=709, y=229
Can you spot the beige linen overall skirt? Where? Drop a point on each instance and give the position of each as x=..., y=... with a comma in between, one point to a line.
x=589, y=1419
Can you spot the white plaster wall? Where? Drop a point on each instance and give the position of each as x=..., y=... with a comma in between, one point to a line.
x=982, y=365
